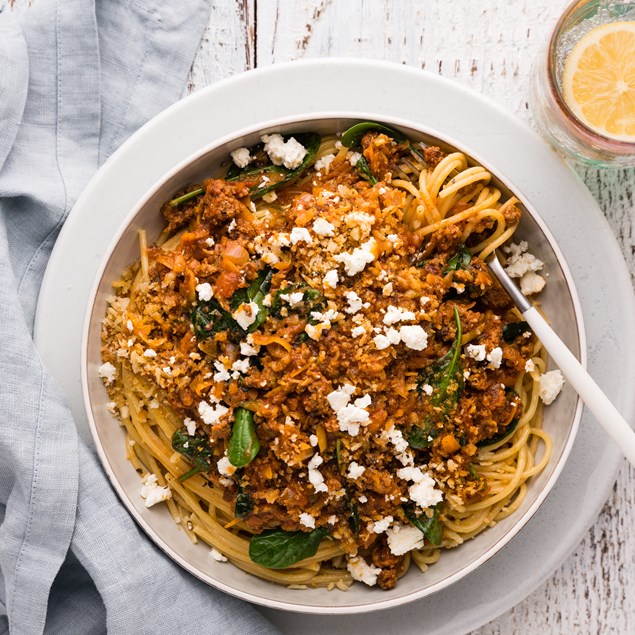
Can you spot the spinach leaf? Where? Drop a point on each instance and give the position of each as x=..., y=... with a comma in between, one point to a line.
x=244, y=505
x=209, y=318
x=364, y=170
x=235, y=173
x=175, y=202
x=508, y=431
x=243, y=445
x=460, y=260
x=196, y=449
x=255, y=292
x=418, y=438
x=473, y=472
x=431, y=527
x=352, y=137
x=445, y=375
x=513, y=330
x=278, y=549
x=310, y=140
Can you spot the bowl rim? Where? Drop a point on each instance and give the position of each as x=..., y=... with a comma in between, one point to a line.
x=123, y=495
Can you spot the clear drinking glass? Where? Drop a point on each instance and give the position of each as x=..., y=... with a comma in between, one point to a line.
x=556, y=121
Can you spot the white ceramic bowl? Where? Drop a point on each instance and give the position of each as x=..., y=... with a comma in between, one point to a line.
x=560, y=303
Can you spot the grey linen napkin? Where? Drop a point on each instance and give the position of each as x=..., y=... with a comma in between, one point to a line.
x=76, y=78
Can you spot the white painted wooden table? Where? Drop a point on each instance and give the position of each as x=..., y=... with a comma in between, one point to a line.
x=488, y=45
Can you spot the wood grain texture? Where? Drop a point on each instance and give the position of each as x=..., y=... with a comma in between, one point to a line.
x=488, y=46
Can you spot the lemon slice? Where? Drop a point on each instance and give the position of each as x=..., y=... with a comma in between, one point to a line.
x=599, y=80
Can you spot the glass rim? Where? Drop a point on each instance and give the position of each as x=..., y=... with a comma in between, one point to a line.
x=573, y=119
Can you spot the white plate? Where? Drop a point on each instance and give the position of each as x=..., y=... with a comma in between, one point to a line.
x=393, y=90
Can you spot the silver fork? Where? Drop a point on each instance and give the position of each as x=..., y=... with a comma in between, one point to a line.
x=591, y=394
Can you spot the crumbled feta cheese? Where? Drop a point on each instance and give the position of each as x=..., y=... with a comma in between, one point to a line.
x=217, y=555
x=330, y=315
x=350, y=416
x=209, y=242
x=363, y=499
x=381, y=342
x=149, y=353
x=190, y=425
x=225, y=467
x=387, y=289
x=520, y=261
x=423, y=492
x=324, y=163
x=289, y=153
x=221, y=372
x=404, y=538
x=396, y=314
x=393, y=335
x=361, y=571
x=355, y=470
x=152, y=492
x=340, y=397
x=551, y=384
x=427, y=389
x=299, y=234
x=204, y=291
x=323, y=228
x=358, y=259
x=359, y=218
x=231, y=226
x=315, y=476
x=532, y=283
x=241, y=157
x=294, y=298
x=332, y=519
x=211, y=414
x=414, y=337
x=107, y=372
x=307, y=520
x=380, y=526
x=241, y=365
x=353, y=158
x=269, y=197
x=355, y=303
x=331, y=278
x=393, y=238
x=396, y=437
x=530, y=367
x=476, y=351
x=111, y=406
x=246, y=315
x=313, y=440
x=248, y=349
x=266, y=301
x=495, y=357
x=358, y=331
x=129, y=325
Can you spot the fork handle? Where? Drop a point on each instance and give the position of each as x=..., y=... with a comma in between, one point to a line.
x=590, y=393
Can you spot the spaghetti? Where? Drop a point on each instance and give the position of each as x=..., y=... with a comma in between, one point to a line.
x=314, y=367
